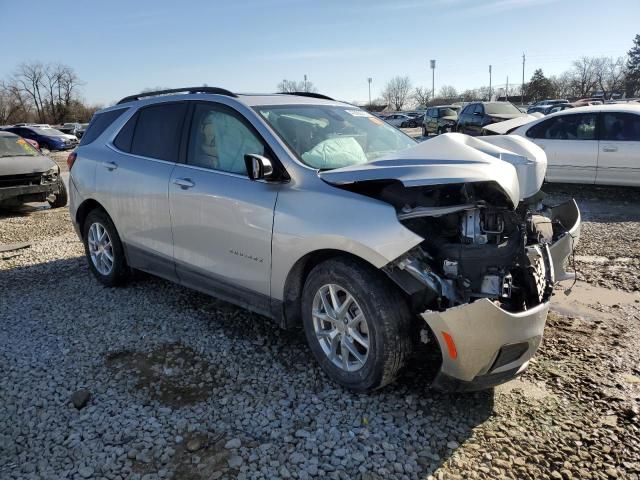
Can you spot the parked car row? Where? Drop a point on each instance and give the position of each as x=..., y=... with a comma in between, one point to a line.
x=46, y=137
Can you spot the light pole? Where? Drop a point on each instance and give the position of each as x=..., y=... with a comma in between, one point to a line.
x=433, y=79
x=305, y=82
x=369, y=80
x=489, y=82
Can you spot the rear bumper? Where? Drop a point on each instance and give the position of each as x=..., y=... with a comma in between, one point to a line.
x=483, y=345
x=28, y=190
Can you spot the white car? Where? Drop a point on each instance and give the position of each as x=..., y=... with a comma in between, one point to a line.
x=397, y=119
x=596, y=144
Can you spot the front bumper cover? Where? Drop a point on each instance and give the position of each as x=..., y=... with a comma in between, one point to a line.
x=473, y=339
x=24, y=190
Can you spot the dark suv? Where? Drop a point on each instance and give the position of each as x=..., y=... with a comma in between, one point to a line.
x=440, y=119
x=475, y=116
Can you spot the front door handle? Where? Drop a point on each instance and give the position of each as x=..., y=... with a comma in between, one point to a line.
x=184, y=183
x=110, y=165
x=609, y=148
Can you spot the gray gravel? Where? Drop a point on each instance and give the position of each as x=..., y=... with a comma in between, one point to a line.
x=183, y=386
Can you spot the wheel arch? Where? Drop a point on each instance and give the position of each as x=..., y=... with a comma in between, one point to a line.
x=85, y=208
x=295, y=280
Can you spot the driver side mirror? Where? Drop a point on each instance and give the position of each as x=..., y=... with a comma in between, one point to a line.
x=258, y=167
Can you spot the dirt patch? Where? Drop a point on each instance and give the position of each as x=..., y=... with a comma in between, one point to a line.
x=173, y=374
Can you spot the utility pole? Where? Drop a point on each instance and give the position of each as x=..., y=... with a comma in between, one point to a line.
x=489, y=82
x=522, y=86
x=369, y=80
x=506, y=90
x=433, y=79
x=305, y=82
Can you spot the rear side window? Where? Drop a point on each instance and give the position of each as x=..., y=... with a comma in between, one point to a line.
x=158, y=130
x=125, y=137
x=623, y=127
x=99, y=124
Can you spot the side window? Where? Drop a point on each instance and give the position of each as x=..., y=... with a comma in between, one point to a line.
x=479, y=109
x=623, y=127
x=566, y=127
x=125, y=136
x=157, y=131
x=430, y=112
x=99, y=124
x=219, y=140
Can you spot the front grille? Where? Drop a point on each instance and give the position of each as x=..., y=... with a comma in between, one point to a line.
x=20, y=180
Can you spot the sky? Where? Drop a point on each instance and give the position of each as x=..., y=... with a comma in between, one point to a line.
x=119, y=47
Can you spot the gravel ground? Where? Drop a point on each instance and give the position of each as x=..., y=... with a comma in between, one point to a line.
x=179, y=385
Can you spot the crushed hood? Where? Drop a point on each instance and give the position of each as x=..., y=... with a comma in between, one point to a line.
x=451, y=158
x=22, y=165
x=503, y=127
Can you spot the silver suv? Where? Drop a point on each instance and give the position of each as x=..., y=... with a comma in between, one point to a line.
x=318, y=214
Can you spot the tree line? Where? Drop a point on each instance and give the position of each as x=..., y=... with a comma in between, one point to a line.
x=43, y=93
x=606, y=76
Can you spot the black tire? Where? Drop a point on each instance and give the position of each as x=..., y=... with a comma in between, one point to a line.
x=424, y=132
x=120, y=271
x=388, y=319
x=61, y=197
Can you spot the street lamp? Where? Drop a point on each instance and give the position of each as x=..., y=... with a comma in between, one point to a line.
x=369, y=80
x=433, y=79
x=305, y=82
x=489, y=82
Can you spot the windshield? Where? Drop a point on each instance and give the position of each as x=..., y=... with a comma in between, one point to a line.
x=503, y=108
x=448, y=112
x=327, y=137
x=11, y=146
x=49, y=132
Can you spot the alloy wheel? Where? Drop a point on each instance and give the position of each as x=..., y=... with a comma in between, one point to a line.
x=100, y=248
x=340, y=327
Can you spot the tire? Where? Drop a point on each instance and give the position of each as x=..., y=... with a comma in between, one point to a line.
x=119, y=272
x=386, y=317
x=61, y=197
x=424, y=132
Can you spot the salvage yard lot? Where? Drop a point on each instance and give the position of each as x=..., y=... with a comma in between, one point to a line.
x=187, y=387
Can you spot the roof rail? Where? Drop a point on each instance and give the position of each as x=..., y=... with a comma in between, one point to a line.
x=214, y=90
x=308, y=94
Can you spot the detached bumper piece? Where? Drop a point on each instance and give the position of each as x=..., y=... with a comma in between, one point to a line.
x=567, y=215
x=483, y=345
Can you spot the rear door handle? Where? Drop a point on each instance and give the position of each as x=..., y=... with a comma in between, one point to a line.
x=184, y=183
x=609, y=148
x=110, y=165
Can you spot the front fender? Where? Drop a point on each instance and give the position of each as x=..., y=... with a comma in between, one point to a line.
x=330, y=218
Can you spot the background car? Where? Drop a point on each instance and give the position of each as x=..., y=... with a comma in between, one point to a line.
x=47, y=137
x=399, y=120
x=594, y=144
x=547, y=109
x=476, y=115
x=70, y=128
x=440, y=119
x=28, y=176
x=544, y=103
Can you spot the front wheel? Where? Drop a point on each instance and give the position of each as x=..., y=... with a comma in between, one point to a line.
x=61, y=196
x=357, y=324
x=424, y=132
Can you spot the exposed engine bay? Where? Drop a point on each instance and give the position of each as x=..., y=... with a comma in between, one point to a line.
x=478, y=206
x=476, y=245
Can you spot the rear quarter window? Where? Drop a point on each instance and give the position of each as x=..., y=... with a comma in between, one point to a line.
x=99, y=124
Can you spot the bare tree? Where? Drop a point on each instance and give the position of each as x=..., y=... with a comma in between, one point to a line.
x=397, y=92
x=421, y=95
x=448, y=93
x=584, y=76
x=291, y=86
x=609, y=74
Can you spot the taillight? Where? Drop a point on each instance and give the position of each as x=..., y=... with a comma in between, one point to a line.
x=71, y=159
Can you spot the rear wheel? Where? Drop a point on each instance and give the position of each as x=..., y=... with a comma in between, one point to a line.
x=357, y=324
x=104, y=250
x=424, y=131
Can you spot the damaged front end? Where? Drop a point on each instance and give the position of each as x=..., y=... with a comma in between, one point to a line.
x=483, y=275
